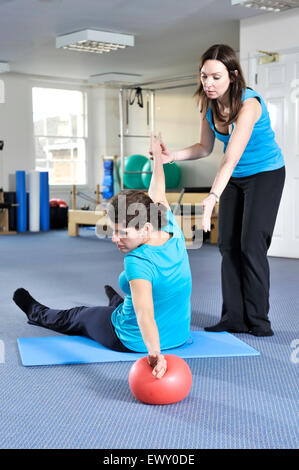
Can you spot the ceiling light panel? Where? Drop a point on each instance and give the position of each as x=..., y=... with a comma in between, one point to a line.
x=268, y=5
x=115, y=77
x=98, y=42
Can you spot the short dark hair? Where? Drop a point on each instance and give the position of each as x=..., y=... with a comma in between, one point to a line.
x=134, y=208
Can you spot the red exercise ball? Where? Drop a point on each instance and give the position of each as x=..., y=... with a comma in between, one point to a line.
x=171, y=388
x=57, y=203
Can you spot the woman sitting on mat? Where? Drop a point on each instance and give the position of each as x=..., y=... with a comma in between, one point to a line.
x=155, y=313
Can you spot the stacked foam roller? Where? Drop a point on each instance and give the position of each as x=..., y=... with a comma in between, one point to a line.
x=39, y=206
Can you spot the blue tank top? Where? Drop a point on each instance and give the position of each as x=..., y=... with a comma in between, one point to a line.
x=167, y=268
x=262, y=152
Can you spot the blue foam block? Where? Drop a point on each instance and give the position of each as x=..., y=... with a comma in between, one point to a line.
x=55, y=350
x=44, y=201
x=21, y=201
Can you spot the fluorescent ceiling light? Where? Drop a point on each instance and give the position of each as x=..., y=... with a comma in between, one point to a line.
x=268, y=5
x=4, y=67
x=115, y=77
x=89, y=40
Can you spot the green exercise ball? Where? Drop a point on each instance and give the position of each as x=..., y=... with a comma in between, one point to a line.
x=133, y=163
x=172, y=175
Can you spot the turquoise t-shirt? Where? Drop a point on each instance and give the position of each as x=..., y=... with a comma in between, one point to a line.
x=167, y=268
x=262, y=152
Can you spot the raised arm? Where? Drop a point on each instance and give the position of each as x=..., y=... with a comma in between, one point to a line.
x=143, y=304
x=156, y=190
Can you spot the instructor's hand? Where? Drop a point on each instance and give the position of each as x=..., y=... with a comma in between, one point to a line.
x=208, y=205
x=156, y=146
x=158, y=363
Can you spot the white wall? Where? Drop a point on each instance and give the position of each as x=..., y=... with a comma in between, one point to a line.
x=272, y=32
x=16, y=128
x=103, y=123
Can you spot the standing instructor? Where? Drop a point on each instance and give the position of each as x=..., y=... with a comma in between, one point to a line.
x=249, y=184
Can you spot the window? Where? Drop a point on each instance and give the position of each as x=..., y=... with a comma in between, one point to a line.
x=59, y=119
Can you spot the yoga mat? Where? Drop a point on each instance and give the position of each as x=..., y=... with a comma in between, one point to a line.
x=57, y=350
x=34, y=201
x=44, y=201
x=21, y=198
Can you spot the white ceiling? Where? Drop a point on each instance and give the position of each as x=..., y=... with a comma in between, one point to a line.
x=170, y=35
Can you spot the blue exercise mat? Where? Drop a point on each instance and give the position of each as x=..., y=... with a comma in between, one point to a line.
x=55, y=350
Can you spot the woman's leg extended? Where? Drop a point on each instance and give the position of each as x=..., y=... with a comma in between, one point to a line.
x=92, y=322
x=95, y=323
x=230, y=229
x=262, y=198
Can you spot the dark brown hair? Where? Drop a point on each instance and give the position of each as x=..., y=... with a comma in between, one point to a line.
x=228, y=57
x=130, y=204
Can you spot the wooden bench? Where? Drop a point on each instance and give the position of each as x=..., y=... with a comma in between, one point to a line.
x=81, y=217
x=78, y=217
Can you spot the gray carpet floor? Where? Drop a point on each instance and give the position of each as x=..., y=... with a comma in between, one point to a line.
x=234, y=403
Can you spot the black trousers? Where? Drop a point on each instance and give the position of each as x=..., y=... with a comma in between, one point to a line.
x=247, y=215
x=92, y=322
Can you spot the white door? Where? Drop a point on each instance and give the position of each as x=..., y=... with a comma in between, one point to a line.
x=278, y=84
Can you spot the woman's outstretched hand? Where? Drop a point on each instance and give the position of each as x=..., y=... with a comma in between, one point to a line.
x=159, y=149
x=156, y=146
x=208, y=205
x=158, y=363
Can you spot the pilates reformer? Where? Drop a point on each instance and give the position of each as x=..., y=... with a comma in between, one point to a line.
x=77, y=217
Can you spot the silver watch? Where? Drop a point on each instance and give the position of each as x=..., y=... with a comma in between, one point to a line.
x=215, y=195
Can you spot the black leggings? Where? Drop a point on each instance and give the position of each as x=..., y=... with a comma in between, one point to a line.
x=92, y=322
x=247, y=215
